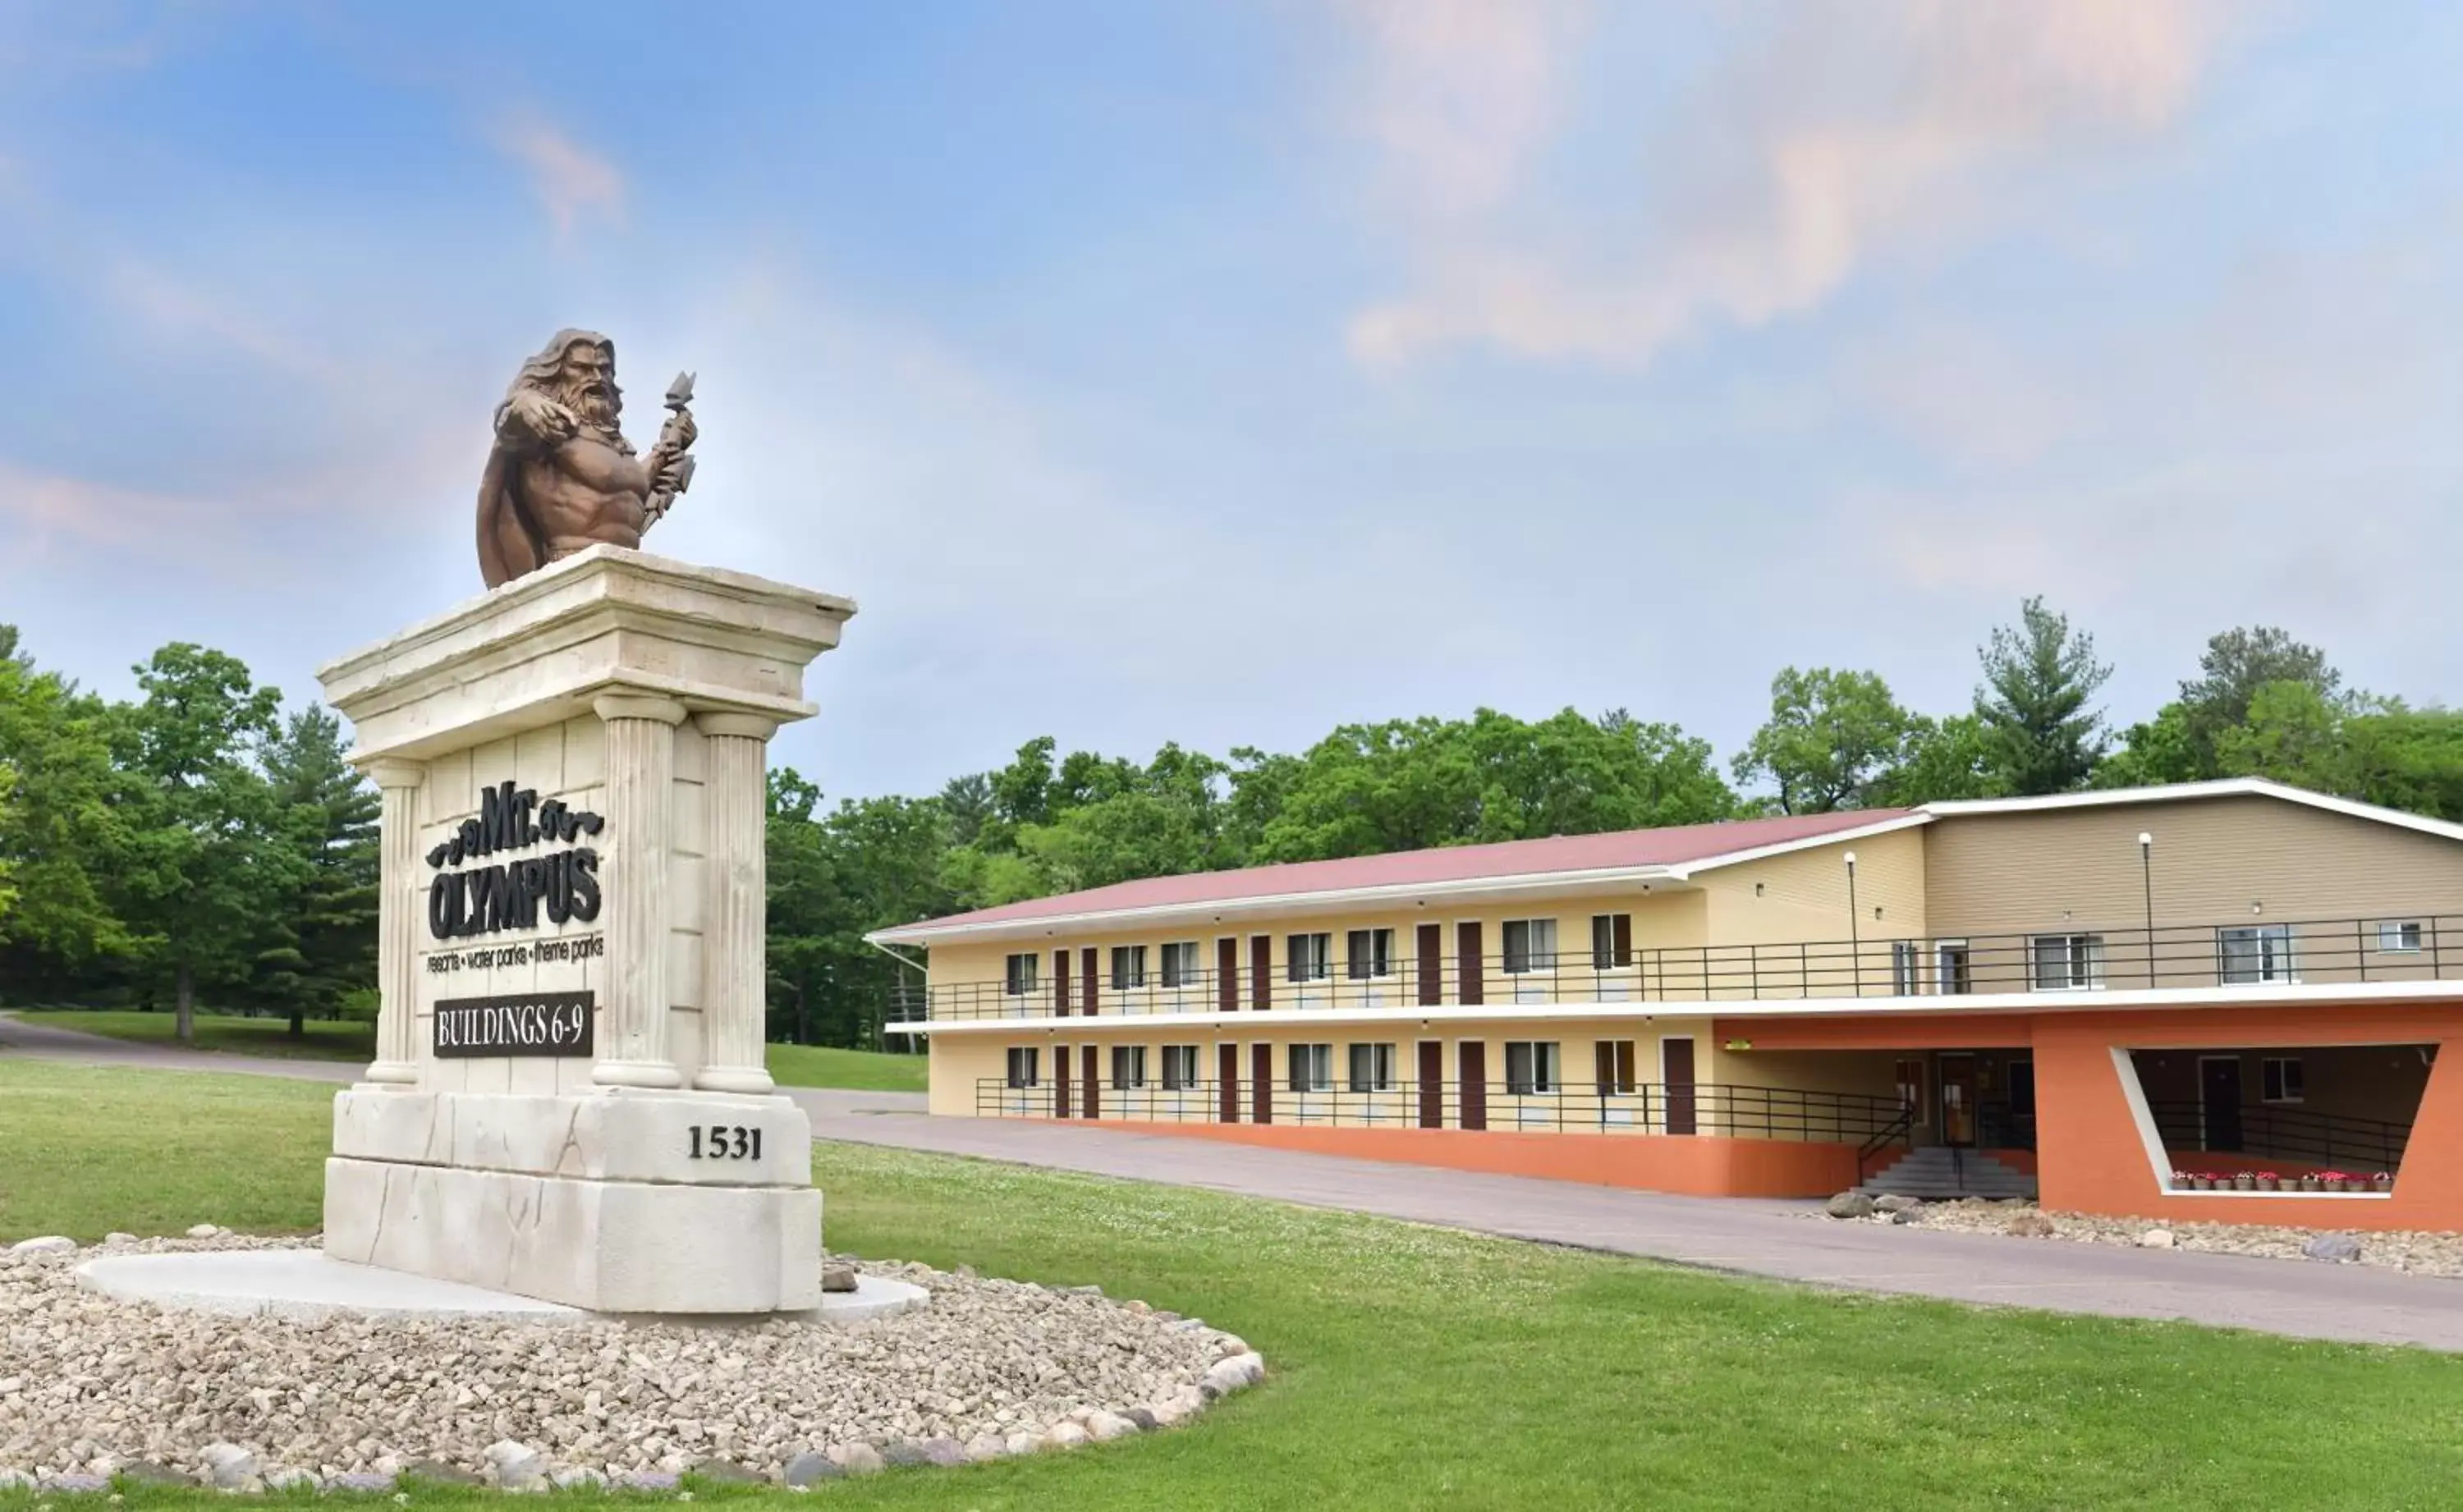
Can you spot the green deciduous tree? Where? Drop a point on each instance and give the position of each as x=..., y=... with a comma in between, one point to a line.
x=65, y=831
x=1831, y=738
x=2043, y=731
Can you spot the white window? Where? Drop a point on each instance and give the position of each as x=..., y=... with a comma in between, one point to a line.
x=1180, y=969
x=1179, y=1067
x=1313, y=1066
x=1953, y=969
x=2067, y=962
x=1531, y=1066
x=1023, y=1070
x=1611, y=941
x=2255, y=953
x=1021, y=976
x=1128, y=967
x=1372, y=1067
x=1530, y=945
x=1902, y=967
x=1129, y=1067
x=2399, y=939
x=2279, y=1078
x=1368, y=953
x=1309, y=958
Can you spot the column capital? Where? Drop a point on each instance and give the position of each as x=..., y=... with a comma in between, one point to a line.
x=393, y=772
x=743, y=727
x=637, y=707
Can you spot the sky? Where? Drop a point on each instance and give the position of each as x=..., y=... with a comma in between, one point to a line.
x=1218, y=373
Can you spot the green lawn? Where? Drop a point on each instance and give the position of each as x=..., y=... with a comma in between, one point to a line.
x=325, y=1040
x=856, y=1071
x=793, y=1065
x=1417, y=1368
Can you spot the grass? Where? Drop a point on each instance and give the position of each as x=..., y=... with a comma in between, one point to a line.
x=1418, y=1368
x=791, y=1064
x=853, y=1071
x=325, y=1039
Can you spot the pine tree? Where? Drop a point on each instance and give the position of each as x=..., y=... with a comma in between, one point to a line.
x=325, y=928
x=2042, y=735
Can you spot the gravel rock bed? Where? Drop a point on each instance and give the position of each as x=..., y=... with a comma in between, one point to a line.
x=2417, y=1251
x=91, y=1386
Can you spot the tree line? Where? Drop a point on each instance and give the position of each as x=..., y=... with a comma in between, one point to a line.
x=197, y=840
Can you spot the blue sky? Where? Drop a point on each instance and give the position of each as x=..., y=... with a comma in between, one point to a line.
x=1217, y=372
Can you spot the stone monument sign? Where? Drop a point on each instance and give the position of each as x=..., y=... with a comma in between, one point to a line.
x=569, y=1100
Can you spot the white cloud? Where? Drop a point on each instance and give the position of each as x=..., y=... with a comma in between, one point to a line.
x=1846, y=133
x=569, y=180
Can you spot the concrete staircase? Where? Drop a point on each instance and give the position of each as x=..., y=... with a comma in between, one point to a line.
x=1936, y=1173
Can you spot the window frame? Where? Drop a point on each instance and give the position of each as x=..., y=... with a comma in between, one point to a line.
x=1319, y=1059
x=1132, y=1059
x=1534, y=962
x=1543, y=1068
x=1034, y=1065
x=2073, y=956
x=1906, y=968
x=2405, y=933
x=1908, y=1075
x=2286, y=1090
x=1128, y=968
x=1382, y=1061
x=1180, y=964
x=1315, y=964
x=1182, y=1066
x=2272, y=969
x=1014, y=984
x=1949, y=982
x=1624, y=1060
x=1380, y=964
x=1604, y=954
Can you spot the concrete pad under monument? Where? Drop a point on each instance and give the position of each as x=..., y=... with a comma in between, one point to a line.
x=569, y=1101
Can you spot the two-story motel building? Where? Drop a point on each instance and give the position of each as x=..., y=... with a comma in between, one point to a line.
x=2108, y=995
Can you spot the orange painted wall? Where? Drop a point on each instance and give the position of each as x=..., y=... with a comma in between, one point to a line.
x=2092, y=1158
x=1696, y=1166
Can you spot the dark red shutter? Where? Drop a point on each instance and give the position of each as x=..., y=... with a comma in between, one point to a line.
x=1086, y=990
x=1061, y=982
x=1060, y=1104
x=1676, y=1067
x=1472, y=984
x=1261, y=1083
x=1227, y=1071
x=1432, y=1080
x=1430, y=946
x=1090, y=1094
x=1227, y=973
x=1471, y=1058
x=1623, y=929
x=1261, y=972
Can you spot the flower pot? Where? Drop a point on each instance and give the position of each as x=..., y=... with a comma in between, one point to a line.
x=2266, y=1183
x=2382, y=1184
x=2201, y=1183
x=2309, y=1183
x=2244, y=1183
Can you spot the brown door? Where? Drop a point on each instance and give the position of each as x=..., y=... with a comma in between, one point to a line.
x=1432, y=1081
x=1261, y=972
x=1471, y=1059
x=1086, y=997
x=1227, y=1074
x=1472, y=988
x=1227, y=976
x=1061, y=982
x=1431, y=947
x=1062, y=1108
x=1676, y=1069
x=1261, y=1084
x=1958, y=1101
x=1090, y=1087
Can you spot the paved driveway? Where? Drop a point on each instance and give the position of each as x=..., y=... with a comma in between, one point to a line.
x=1780, y=1239
x=1776, y=1240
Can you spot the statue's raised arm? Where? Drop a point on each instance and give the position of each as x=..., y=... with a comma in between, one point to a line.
x=561, y=477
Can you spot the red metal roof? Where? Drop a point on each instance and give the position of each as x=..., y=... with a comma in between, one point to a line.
x=1677, y=846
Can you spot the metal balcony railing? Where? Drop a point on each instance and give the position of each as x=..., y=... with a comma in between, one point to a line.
x=1652, y=1108
x=2066, y=958
x=2274, y=1131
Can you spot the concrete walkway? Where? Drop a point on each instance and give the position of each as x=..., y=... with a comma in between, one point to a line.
x=1776, y=1240
x=1779, y=1239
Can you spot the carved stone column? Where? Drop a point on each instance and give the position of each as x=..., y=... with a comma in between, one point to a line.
x=734, y=1000
x=397, y=922
x=639, y=837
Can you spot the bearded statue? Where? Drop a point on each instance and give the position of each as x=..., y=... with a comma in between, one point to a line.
x=561, y=477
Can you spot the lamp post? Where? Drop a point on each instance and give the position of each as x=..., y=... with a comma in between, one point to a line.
x=1855, y=950
x=2147, y=877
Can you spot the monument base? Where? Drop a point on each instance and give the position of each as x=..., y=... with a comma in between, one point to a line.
x=621, y=1201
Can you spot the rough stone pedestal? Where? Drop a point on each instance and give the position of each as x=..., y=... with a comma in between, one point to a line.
x=569, y=1100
